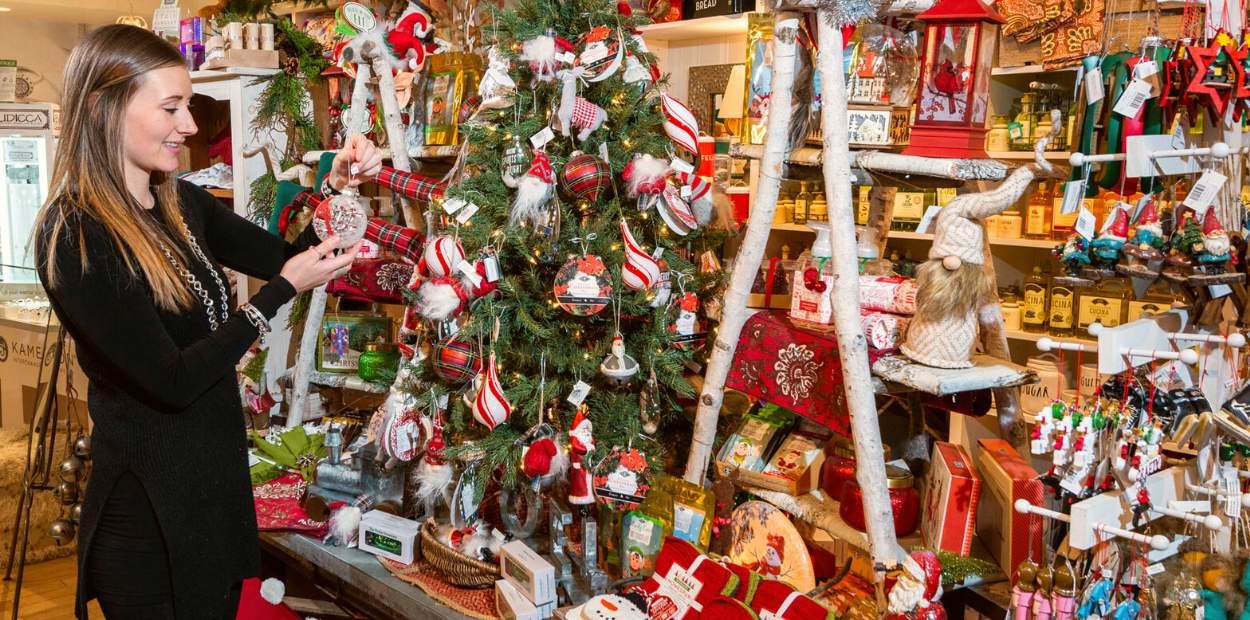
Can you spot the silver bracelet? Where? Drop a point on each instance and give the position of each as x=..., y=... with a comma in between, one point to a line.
x=257, y=319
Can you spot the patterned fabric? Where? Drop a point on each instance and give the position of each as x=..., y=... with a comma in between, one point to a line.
x=308, y=200
x=584, y=113
x=796, y=367
x=373, y=280
x=278, y=506
x=944, y=344
x=422, y=189
x=404, y=241
x=1071, y=42
x=1055, y=13
x=478, y=604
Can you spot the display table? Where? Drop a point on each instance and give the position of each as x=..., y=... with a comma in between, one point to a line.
x=354, y=579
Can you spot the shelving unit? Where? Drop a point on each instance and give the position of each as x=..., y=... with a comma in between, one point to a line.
x=224, y=194
x=1027, y=70
x=1045, y=244
x=702, y=28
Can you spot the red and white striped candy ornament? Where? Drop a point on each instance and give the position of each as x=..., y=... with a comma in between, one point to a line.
x=491, y=407
x=640, y=272
x=442, y=254
x=680, y=124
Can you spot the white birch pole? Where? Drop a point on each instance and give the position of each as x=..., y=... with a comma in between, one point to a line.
x=852, y=346
x=394, y=131
x=746, y=265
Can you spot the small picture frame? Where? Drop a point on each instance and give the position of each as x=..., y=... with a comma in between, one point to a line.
x=343, y=337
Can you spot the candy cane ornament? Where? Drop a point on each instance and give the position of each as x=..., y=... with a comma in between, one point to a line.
x=680, y=123
x=640, y=272
x=442, y=254
x=491, y=407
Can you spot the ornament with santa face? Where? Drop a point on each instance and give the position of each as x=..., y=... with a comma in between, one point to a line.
x=647, y=177
x=688, y=330
x=583, y=286
x=619, y=367
x=623, y=478
x=533, y=193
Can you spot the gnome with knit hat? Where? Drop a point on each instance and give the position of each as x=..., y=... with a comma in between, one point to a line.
x=1216, y=247
x=915, y=594
x=953, y=284
x=1149, y=231
x=581, y=443
x=1106, y=248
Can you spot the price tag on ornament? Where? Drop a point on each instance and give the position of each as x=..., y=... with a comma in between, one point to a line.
x=580, y=390
x=925, y=221
x=685, y=191
x=451, y=205
x=1179, y=127
x=1231, y=483
x=1093, y=86
x=467, y=213
x=1132, y=99
x=1154, y=569
x=1204, y=192
x=470, y=272
x=1072, y=480
x=567, y=57
x=681, y=165
x=1073, y=195
x=542, y=138
x=1148, y=72
x=1085, y=223
x=1137, y=208
x=603, y=153
x=659, y=251
x=1107, y=573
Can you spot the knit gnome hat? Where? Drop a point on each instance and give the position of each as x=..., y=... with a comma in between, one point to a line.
x=1211, y=225
x=1119, y=226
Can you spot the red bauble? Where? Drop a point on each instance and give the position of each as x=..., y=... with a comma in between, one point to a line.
x=585, y=177
x=456, y=361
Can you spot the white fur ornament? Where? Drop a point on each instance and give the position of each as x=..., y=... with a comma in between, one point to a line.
x=640, y=272
x=272, y=591
x=680, y=124
x=542, y=53
x=646, y=175
x=345, y=525
x=442, y=254
x=533, y=192
x=491, y=407
x=439, y=299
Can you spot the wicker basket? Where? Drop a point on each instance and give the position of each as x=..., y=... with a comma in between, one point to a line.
x=457, y=569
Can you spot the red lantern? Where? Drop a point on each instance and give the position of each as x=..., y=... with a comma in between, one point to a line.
x=953, y=97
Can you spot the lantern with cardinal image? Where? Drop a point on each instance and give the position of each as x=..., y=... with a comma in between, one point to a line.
x=953, y=93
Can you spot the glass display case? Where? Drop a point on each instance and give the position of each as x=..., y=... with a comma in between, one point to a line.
x=27, y=142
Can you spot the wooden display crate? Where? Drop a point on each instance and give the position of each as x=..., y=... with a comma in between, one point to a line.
x=253, y=59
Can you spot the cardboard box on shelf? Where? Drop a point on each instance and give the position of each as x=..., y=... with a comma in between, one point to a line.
x=952, y=492
x=389, y=536
x=528, y=572
x=1006, y=478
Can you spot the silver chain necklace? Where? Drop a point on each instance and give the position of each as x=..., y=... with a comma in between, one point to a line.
x=209, y=306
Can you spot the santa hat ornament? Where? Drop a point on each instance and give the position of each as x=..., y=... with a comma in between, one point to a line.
x=543, y=54
x=700, y=197
x=439, y=299
x=491, y=407
x=640, y=272
x=646, y=175
x=442, y=255
x=1118, y=228
x=533, y=192
x=433, y=473
x=536, y=458
x=680, y=124
x=407, y=38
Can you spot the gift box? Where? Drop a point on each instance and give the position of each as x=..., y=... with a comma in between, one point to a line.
x=510, y=604
x=389, y=536
x=1006, y=478
x=773, y=284
x=951, y=493
x=795, y=367
x=532, y=576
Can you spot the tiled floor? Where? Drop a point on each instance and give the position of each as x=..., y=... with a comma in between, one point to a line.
x=47, y=592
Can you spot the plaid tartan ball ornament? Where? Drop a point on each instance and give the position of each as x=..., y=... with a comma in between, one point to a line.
x=456, y=361
x=584, y=177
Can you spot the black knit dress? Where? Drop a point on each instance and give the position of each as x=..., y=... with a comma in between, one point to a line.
x=164, y=398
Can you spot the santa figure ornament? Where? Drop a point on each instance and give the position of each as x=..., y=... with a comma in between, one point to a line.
x=640, y=272
x=433, y=474
x=407, y=39
x=700, y=198
x=491, y=407
x=533, y=192
x=581, y=443
x=543, y=55
x=646, y=175
x=916, y=592
x=439, y=299
x=442, y=255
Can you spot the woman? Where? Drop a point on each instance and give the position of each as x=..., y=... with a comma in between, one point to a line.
x=129, y=256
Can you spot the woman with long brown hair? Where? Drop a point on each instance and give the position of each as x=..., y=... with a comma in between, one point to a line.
x=130, y=259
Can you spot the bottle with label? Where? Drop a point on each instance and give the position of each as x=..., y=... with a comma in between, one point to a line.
x=819, y=209
x=996, y=140
x=815, y=305
x=1010, y=225
x=1024, y=120
x=908, y=210
x=1106, y=303
x=1062, y=320
x=785, y=252
x=1060, y=224
x=861, y=207
x=1157, y=299
x=801, y=203
x=946, y=194
x=1037, y=213
x=1034, y=309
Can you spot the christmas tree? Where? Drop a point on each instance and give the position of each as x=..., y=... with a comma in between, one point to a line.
x=570, y=176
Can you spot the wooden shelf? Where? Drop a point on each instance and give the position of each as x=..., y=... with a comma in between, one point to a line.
x=702, y=28
x=1028, y=155
x=1026, y=70
x=225, y=194
x=1019, y=243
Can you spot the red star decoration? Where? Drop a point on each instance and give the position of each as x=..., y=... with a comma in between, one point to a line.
x=1212, y=98
x=1173, y=95
x=1241, y=93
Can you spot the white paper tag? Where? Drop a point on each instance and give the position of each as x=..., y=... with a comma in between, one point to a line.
x=469, y=272
x=543, y=137
x=1178, y=130
x=1132, y=99
x=640, y=530
x=927, y=219
x=1107, y=573
x=1145, y=69
x=252, y=460
x=1219, y=290
x=1093, y=86
x=451, y=205
x=1204, y=192
x=659, y=251
x=816, y=494
x=566, y=57
x=681, y=165
x=685, y=191
x=1085, y=224
x=1154, y=569
x=1231, y=485
x=1072, y=480
x=467, y=213
x=500, y=536
x=682, y=590
x=580, y=390
x=603, y=153
x=1073, y=197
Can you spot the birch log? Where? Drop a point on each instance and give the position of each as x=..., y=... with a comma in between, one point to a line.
x=317, y=305
x=785, y=34
x=394, y=130
x=852, y=346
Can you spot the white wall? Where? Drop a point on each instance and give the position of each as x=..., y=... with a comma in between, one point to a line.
x=41, y=46
x=676, y=58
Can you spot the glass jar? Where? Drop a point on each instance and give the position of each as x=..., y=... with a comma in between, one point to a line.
x=1012, y=318
x=1011, y=225
x=377, y=360
x=839, y=467
x=904, y=502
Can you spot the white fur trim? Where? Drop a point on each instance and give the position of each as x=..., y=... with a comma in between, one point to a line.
x=646, y=170
x=272, y=591
x=532, y=195
x=432, y=482
x=345, y=524
x=437, y=302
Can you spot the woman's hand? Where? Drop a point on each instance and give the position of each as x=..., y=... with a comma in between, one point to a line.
x=358, y=153
x=318, y=265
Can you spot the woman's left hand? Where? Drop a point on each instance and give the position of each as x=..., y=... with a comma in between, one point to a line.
x=359, y=153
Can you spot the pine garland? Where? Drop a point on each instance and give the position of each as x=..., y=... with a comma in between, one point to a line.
x=532, y=326
x=256, y=366
x=956, y=568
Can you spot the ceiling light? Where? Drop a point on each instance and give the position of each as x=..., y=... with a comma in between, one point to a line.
x=5, y=8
